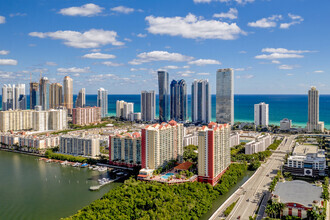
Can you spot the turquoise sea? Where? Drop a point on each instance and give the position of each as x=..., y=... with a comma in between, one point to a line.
x=293, y=107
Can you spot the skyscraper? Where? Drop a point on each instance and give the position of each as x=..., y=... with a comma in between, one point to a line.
x=34, y=94
x=44, y=93
x=119, y=108
x=102, y=101
x=261, y=114
x=200, y=101
x=81, y=99
x=225, y=96
x=68, y=94
x=148, y=105
x=128, y=109
x=55, y=95
x=179, y=100
x=13, y=97
x=213, y=152
x=164, y=107
x=313, y=123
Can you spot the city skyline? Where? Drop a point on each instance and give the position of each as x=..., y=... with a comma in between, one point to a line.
x=126, y=60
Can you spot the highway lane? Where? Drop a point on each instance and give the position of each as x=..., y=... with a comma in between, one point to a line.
x=252, y=191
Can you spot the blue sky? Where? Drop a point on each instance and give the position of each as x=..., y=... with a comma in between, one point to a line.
x=275, y=46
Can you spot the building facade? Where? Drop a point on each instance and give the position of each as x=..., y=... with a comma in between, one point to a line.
x=200, y=101
x=213, y=152
x=148, y=105
x=68, y=93
x=86, y=116
x=120, y=108
x=258, y=145
x=164, y=104
x=13, y=97
x=313, y=123
x=44, y=93
x=190, y=139
x=225, y=96
x=261, y=114
x=80, y=145
x=34, y=95
x=55, y=95
x=102, y=101
x=161, y=143
x=234, y=139
x=285, y=124
x=81, y=99
x=125, y=149
x=179, y=101
x=15, y=120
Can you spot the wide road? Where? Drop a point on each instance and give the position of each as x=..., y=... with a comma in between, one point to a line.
x=251, y=193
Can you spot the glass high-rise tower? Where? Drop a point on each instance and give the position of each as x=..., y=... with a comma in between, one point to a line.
x=34, y=94
x=164, y=104
x=200, y=101
x=148, y=105
x=44, y=93
x=313, y=123
x=102, y=101
x=179, y=100
x=225, y=96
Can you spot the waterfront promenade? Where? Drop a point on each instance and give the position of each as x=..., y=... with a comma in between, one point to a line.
x=253, y=191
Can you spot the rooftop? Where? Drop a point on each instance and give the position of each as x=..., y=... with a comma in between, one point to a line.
x=305, y=149
x=298, y=191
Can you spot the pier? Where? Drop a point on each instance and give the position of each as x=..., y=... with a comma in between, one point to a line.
x=95, y=188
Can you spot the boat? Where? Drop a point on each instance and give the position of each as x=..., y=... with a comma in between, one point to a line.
x=48, y=161
x=64, y=163
x=96, y=168
x=102, y=169
x=76, y=164
x=84, y=165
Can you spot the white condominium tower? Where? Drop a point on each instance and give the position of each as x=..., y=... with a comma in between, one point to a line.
x=148, y=105
x=313, y=123
x=55, y=95
x=261, y=114
x=81, y=99
x=201, y=101
x=68, y=94
x=213, y=152
x=13, y=97
x=161, y=143
x=119, y=108
x=225, y=96
x=124, y=109
x=102, y=101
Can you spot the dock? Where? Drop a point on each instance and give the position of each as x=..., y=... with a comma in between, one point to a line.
x=95, y=188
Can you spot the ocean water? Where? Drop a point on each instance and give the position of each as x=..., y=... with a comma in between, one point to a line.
x=293, y=107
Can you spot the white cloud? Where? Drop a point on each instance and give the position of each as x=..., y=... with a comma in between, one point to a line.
x=141, y=35
x=289, y=74
x=202, y=62
x=99, y=56
x=74, y=70
x=241, y=2
x=203, y=74
x=266, y=22
x=159, y=56
x=138, y=69
x=122, y=9
x=274, y=56
x=193, y=27
x=286, y=67
x=240, y=69
x=242, y=52
x=276, y=61
x=109, y=63
x=249, y=76
x=281, y=53
x=127, y=39
x=84, y=10
x=4, y=52
x=88, y=39
x=17, y=14
x=171, y=67
x=231, y=14
x=10, y=62
x=318, y=71
x=49, y=63
x=186, y=73
x=2, y=20
x=295, y=19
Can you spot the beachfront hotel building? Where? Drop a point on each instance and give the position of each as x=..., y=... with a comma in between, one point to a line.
x=124, y=109
x=86, y=116
x=102, y=101
x=225, y=96
x=68, y=93
x=80, y=145
x=148, y=105
x=125, y=149
x=179, y=101
x=213, y=152
x=261, y=114
x=285, y=124
x=164, y=103
x=81, y=99
x=161, y=143
x=200, y=101
x=313, y=123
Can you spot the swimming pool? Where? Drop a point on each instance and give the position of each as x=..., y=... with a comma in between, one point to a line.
x=167, y=175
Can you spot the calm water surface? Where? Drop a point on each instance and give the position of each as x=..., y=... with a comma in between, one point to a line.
x=33, y=189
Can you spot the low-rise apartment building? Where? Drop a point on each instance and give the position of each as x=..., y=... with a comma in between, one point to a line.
x=80, y=145
x=258, y=145
x=86, y=116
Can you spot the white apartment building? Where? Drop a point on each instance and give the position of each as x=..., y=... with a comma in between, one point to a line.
x=135, y=116
x=38, y=142
x=80, y=145
x=234, y=139
x=260, y=144
x=285, y=124
x=261, y=114
x=190, y=139
x=15, y=120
